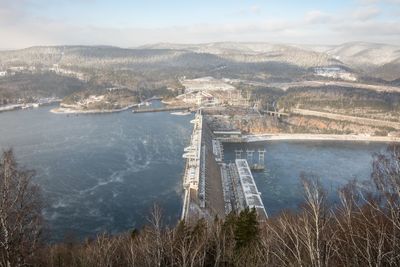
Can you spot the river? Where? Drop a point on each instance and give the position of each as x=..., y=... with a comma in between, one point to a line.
x=104, y=172
x=100, y=172
x=333, y=162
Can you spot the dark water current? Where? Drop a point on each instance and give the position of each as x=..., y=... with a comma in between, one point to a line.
x=104, y=172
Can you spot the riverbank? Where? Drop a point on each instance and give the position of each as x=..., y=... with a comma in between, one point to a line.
x=319, y=137
x=40, y=103
x=347, y=118
x=61, y=110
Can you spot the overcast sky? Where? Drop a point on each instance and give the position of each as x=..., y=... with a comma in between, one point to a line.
x=126, y=23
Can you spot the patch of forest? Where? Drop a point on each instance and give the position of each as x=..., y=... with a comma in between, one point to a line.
x=361, y=229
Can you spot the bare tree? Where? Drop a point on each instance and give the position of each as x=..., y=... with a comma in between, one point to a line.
x=20, y=213
x=102, y=252
x=156, y=234
x=316, y=217
x=386, y=177
x=362, y=230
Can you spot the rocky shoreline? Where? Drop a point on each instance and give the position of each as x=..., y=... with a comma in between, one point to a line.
x=320, y=137
x=64, y=110
x=42, y=102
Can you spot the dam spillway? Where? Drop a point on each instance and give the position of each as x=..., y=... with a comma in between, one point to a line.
x=211, y=186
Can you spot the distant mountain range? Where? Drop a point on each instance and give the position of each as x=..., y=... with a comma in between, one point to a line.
x=261, y=61
x=373, y=59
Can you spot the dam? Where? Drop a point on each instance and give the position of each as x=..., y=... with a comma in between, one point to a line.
x=211, y=186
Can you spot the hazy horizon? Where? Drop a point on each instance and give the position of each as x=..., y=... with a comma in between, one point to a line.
x=188, y=44
x=26, y=23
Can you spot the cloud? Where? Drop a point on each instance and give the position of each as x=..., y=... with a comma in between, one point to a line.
x=255, y=9
x=11, y=12
x=252, y=10
x=317, y=17
x=366, y=13
x=18, y=28
x=57, y=33
x=391, y=28
x=368, y=2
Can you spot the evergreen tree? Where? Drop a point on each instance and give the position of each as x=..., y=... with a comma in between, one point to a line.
x=246, y=228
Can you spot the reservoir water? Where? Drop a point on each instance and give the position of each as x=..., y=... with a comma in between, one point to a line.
x=333, y=162
x=104, y=172
x=100, y=172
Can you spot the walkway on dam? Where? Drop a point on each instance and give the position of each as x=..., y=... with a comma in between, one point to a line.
x=202, y=183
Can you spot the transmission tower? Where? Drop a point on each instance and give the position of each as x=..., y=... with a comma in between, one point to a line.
x=261, y=156
x=250, y=156
x=238, y=153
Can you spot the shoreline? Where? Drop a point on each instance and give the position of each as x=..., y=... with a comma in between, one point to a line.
x=60, y=110
x=318, y=137
x=68, y=109
x=32, y=105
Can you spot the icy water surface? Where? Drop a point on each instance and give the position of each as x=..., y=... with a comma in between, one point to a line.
x=333, y=162
x=104, y=172
x=100, y=172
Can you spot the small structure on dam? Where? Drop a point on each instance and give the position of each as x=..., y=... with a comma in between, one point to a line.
x=240, y=190
x=252, y=197
x=212, y=187
x=254, y=166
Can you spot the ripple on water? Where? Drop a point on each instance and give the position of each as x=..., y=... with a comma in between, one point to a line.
x=100, y=172
x=334, y=163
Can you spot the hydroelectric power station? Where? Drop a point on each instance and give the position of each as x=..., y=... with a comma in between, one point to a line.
x=213, y=187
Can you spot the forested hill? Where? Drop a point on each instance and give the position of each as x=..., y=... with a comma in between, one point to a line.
x=60, y=71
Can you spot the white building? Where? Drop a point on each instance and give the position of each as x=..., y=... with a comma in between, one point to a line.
x=335, y=72
x=206, y=84
x=17, y=68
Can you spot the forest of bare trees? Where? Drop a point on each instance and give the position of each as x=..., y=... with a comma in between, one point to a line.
x=363, y=229
x=20, y=214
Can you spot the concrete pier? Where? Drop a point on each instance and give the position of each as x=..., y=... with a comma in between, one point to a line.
x=146, y=110
x=251, y=194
